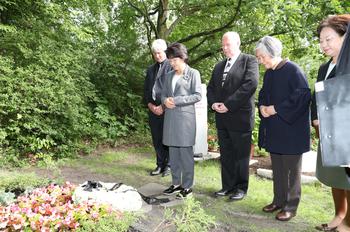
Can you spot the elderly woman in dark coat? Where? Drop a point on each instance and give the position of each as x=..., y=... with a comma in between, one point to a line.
x=182, y=89
x=285, y=127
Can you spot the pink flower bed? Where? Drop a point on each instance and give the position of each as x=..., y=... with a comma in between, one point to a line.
x=50, y=208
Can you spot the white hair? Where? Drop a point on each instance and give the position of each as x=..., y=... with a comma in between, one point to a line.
x=270, y=46
x=159, y=45
x=234, y=36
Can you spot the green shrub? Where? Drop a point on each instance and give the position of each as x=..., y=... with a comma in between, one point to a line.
x=191, y=217
x=14, y=181
x=108, y=223
x=62, y=88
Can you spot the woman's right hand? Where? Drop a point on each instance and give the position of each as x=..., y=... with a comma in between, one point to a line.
x=169, y=103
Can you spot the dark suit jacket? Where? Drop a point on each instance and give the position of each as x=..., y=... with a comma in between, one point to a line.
x=153, y=79
x=237, y=93
x=322, y=71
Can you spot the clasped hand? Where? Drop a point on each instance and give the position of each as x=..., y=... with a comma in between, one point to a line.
x=267, y=111
x=169, y=103
x=219, y=107
x=157, y=110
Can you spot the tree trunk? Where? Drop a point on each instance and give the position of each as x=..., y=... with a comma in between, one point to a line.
x=162, y=19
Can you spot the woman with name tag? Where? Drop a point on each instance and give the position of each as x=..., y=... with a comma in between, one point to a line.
x=331, y=33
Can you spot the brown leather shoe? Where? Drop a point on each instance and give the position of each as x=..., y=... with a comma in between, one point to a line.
x=270, y=208
x=285, y=215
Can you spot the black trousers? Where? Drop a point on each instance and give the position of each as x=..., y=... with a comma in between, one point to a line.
x=286, y=180
x=234, y=157
x=162, y=151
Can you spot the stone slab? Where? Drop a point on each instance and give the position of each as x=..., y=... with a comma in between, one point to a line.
x=207, y=156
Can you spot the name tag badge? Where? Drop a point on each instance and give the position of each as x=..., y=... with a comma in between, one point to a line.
x=319, y=86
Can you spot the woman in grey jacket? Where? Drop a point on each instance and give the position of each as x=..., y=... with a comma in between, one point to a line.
x=182, y=89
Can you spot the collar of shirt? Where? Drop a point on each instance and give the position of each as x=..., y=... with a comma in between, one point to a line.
x=161, y=63
x=234, y=58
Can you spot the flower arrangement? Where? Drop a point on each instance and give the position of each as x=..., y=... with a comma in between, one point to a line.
x=50, y=209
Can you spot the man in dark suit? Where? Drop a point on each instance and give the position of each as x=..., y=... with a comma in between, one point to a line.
x=152, y=92
x=230, y=94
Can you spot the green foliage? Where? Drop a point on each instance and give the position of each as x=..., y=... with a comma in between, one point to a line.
x=255, y=132
x=191, y=217
x=56, y=94
x=19, y=182
x=72, y=72
x=108, y=223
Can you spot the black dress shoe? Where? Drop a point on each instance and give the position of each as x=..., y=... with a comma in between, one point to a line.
x=222, y=193
x=325, y=227
x=237, y=195
x=166, y=171
x=156, y=171
x=270, y=208
x=285, y=215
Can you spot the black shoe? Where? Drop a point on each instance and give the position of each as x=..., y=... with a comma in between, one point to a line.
x=222, y=193
x=156, y=171
x=237, y=195
x=172, y=189
x=166, y=171
x=184, y=194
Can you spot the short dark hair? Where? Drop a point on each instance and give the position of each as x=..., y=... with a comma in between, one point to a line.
x=339, y=23
x=177, y=50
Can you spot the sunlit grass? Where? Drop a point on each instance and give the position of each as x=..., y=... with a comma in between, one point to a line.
x=132, y=165
x=108, y=157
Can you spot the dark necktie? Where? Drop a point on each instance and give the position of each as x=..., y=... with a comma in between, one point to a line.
x=226, y=69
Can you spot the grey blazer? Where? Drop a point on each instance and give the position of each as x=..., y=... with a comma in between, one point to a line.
x=179, y=128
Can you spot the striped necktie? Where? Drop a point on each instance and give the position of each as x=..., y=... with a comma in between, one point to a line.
x=226, y=70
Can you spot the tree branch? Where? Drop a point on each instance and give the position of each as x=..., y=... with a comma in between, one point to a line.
x=204, y=56
x=148, y=19
x=145, y=16
x=172, y=26
x=257, y=39
x=211, y=52
x=204, y=33
x=153, y=12
x=197, y=45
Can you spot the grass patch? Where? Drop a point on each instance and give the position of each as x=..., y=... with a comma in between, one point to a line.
x=190, y=217
x=132, y=165
x=11, y=181
x=108, y=223
x=108, y=157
